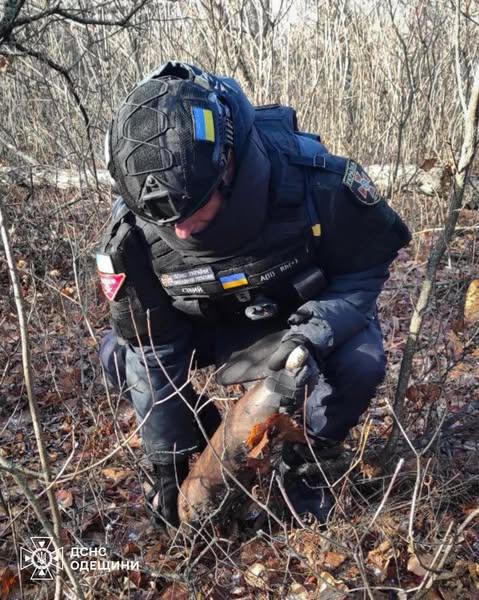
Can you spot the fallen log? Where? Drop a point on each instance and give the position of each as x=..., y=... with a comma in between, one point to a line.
x=408, y=178
x=60, y=179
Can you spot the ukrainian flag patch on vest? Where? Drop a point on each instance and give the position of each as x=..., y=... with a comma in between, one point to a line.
x=233, y=281
x=204, y=125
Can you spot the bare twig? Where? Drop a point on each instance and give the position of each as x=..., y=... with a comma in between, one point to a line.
x=43, y=519
x=27, y=374
x=437, y=252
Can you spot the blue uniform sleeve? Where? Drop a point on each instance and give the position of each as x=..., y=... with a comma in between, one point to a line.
x=341, y=312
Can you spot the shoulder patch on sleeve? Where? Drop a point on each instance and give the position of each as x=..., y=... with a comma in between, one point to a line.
x=360, y=184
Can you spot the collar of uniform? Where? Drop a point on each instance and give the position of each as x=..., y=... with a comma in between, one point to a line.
x=242, y=216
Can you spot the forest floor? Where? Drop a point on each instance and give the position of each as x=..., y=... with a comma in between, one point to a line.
x=412, y=536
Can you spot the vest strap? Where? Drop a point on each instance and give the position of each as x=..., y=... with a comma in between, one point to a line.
x=318, y=161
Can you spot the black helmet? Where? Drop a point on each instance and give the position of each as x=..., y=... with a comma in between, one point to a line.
x=168, y=145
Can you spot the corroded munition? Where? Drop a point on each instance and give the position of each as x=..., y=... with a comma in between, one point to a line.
x=204, y=488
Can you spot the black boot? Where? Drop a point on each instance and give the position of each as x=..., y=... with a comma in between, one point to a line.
x=162, y=499
x=309, y=495
x=305, y=486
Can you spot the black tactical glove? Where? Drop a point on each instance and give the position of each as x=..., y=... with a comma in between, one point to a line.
x=280, y=355
x=291, y=384
x=307, y=324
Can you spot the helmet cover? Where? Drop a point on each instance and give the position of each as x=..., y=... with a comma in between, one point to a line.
x=167, y=146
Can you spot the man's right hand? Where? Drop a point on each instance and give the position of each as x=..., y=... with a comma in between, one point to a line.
x=291, y=382
x=284, y=350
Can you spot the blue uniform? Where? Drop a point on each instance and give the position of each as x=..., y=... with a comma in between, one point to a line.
x=179, y=296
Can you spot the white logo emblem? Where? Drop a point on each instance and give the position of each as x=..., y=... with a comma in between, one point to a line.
x=43, y=557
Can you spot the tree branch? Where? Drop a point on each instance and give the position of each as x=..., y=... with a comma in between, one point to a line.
x=27, y=375
x=43, y=519
x=437, y=252
x=78, y=18
x=11, y=10
x=71, y=86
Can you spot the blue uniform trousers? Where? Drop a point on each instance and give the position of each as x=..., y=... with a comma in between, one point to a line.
x=148, y=376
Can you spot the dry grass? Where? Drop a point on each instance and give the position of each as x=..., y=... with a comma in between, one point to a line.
x=379, y=523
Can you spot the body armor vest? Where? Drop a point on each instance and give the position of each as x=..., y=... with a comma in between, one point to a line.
x=324, y=219
x=279, y=267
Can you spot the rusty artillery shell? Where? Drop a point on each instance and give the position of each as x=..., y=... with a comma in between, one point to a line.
x=206, y=484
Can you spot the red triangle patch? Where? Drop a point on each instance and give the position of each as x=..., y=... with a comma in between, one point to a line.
x=111, y=283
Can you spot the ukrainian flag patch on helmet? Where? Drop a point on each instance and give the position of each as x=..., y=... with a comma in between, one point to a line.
x=204, y=125
x=232, y=281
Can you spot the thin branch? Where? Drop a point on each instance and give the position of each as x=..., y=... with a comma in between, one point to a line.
x=43, y=519
x=43, y=58
x=457, y=37
x=78, y=18
x=11, y=10
x=468, y=152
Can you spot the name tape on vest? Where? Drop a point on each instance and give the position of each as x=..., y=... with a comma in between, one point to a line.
x=187, y=278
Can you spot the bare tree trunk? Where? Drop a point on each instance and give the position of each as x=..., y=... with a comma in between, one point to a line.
x=455, y=201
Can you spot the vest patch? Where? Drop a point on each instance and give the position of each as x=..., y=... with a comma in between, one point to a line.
x=187, y=278
x=232, y=281
x=204, y=126
x=111, y=284
x=104, y=263
x=358, y=181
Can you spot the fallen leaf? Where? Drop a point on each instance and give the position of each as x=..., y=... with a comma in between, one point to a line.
x=64, y=498
x=421, y=393
x=68, y=291
x=116, y=474
x=175, y=591
x=135, y=441
x=130, y=549
x=380, y=558
x=329, y=581
x=428, y=164
x=8, y=580
x=305, y=543
x=369, y=471
x=474, y=573
x=4, y=64
x=333, y=560
x=415, y=564
x=298, y=592
x=138, y=578
x=455, y=343
x=471, y=304
x=434, y=595
x=256, y=576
